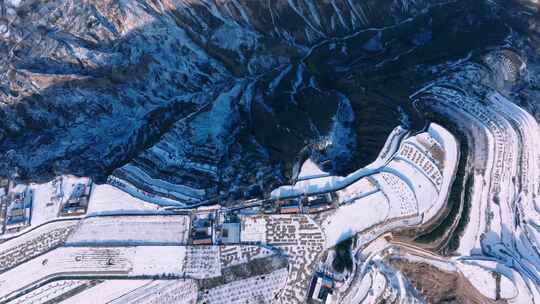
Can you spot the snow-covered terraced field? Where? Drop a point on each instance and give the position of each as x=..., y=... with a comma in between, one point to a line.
x=263, y=288
x=52, y=291
x=410, y=187
x=150, y=261
x=497, y=255
x=323, y=184
x=133, y=229
x=135, y=130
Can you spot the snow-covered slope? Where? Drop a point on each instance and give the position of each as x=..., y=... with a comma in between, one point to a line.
x=182, y=90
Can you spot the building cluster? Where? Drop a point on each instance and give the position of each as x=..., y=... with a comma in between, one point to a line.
x=226, y=248
x=58, y=192
x=306, y=204
x=19, y=202
x=321, y=289
x=16, y=209
x=222, y=243
x=230, y=233
x=77, y=203
x=227, y=228
x=202, y=228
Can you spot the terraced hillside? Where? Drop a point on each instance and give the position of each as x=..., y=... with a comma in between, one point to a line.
x=287, y=151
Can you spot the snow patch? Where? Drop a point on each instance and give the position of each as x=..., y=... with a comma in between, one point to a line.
x=310, y=170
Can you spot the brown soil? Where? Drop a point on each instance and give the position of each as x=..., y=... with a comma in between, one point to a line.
x=437, y=286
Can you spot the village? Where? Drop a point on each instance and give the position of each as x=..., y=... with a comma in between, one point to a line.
x=294, y=230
